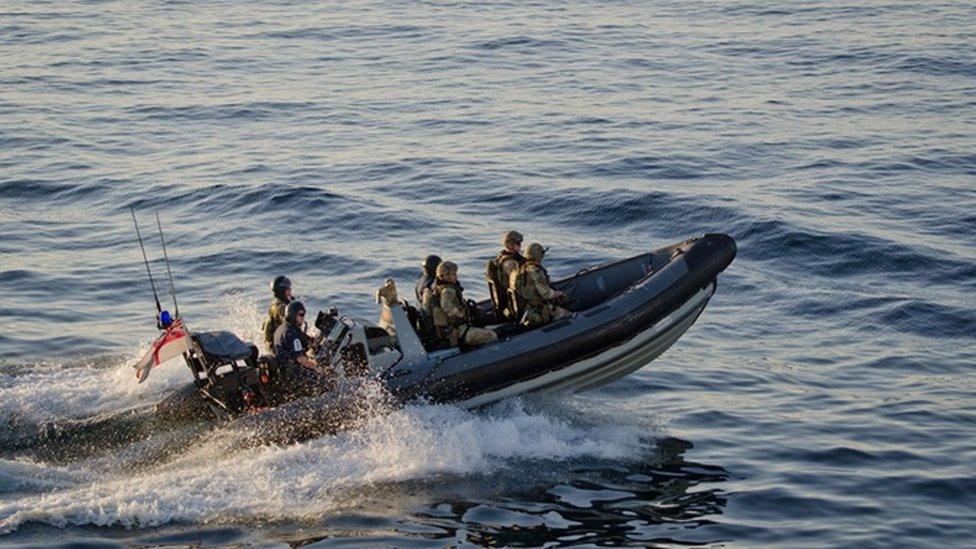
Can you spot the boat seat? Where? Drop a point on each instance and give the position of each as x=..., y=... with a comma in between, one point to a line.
x=495, y=297
x=515, y=305
x=378, y=343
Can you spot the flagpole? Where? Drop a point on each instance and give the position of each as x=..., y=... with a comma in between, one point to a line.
x=172, y=288
x=145, y=259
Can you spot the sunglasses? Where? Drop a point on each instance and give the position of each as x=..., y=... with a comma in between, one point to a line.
x=302, y=313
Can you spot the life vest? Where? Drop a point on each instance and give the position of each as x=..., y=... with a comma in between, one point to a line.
x=449, y=331
x=275, y=318
x=534, y=310
x=439, y=288
x=504, y=256
x=498, y=281
x=531, y=296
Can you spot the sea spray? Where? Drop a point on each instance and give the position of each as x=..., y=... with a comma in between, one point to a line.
x=226, y=477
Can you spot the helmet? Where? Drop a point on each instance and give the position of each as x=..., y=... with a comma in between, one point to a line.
x=291, y=312
x=512, y=238
x=431, y=263
x=279, y=285
x=446, y=268
x=535, y=252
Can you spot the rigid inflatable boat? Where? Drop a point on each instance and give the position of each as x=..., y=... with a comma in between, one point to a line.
x=625, y=314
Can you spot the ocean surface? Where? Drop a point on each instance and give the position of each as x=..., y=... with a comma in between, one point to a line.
x=827, y=396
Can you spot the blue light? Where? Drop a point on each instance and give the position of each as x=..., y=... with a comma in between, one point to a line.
x=165, y=319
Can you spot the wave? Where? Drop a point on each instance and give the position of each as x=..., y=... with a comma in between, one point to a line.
x=252, y=110
x=34, y=393
x=219, y=482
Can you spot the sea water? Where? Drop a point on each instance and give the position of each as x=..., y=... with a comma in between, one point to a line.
x=825, y=397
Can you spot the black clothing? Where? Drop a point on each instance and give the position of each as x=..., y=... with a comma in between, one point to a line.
x=290, y=343
x=424, y=283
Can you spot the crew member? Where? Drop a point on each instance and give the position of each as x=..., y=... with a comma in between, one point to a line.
x=290, y=339
x=446, y=306
x=507, y=262
x=510, y=258
x=281, y=290
x=427, y=278
x=531, y=283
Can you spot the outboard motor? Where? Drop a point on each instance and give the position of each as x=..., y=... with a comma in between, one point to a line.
x=229, y=374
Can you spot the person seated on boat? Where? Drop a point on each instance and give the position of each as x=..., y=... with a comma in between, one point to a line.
x=532, y=284
x=281, y=292
x=427, y=277
x=290, y=340
x=510, y=258
x=446, y=306
x=500, y=270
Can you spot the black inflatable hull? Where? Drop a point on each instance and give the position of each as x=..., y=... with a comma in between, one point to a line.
x=634, y=299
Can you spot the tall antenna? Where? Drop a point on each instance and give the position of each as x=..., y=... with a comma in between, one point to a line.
x=172, y=288
x=145, y=259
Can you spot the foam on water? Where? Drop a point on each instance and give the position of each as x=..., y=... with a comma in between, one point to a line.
x=54, y=390
x=222, y=478
x=220, y=481
x=340, y=143
x=51, y=390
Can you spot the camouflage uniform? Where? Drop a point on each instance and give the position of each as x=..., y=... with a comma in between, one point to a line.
x=531, y=282
x=498, y=273
x=276, y=317
x=456, y=312
x=445, y=304
x=509, y=261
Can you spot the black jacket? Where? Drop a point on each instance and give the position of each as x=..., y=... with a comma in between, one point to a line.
x=425, y=282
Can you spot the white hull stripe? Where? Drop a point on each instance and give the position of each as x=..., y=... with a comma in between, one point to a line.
x=613, y=363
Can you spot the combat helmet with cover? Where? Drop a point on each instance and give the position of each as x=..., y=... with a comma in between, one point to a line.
x=535, y=252
x=279, y=285
x=445, y=268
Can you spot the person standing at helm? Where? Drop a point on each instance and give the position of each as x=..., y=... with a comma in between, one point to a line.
x=445, y=304
x=531, y=283
x=290, y=340
x=427, y=278
x=281, y=289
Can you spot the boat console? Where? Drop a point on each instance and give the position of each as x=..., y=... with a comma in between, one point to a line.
x=358, y=347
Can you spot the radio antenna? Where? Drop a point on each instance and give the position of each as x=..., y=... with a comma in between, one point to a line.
x=172, y=288
x=145, y=260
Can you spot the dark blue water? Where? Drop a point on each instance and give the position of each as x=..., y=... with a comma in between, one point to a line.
x=825, y=398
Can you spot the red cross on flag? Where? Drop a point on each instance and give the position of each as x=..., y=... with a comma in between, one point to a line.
x=174, y=342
